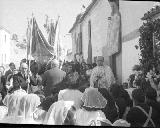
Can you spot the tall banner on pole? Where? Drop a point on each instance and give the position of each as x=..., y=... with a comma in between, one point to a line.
x=39, y=48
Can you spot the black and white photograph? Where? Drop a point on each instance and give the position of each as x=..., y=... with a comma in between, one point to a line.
x=80, y=63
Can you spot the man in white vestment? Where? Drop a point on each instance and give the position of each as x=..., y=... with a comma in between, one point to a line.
x=102, y=75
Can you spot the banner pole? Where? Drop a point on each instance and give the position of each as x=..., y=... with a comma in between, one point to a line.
x=29, y=57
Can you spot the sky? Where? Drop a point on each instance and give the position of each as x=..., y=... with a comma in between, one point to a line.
x=14, y=14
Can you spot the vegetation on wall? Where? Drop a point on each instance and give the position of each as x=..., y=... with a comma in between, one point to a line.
x=149, y=44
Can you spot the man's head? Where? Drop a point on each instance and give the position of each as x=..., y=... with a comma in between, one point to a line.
x=138, y=96
x=69, y=68
x=24, y=68
x=54, y=63
x=100, y=60
x=12, y=66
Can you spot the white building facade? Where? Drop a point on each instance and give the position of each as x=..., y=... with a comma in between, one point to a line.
x=5, y=39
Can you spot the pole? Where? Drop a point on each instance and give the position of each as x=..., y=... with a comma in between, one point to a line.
x=29, y=55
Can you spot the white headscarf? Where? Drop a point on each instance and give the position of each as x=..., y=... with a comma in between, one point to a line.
x=92, y=98
x=13, y=103
x=28, y=105
x=121, y=122
x=3, y=112
x=6, y=100
x=57, y=113
x=98, y=121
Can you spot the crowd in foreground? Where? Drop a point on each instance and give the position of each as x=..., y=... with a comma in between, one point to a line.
x=76, y=94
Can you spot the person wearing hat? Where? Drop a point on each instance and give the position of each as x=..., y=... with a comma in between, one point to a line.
x=11, y=70
x=102, y=75
x=52, y=77
x=21, y=80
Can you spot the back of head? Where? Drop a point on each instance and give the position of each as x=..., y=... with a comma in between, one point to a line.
x=138, y=95
x=54, y=63
x=115, y=90
x=151, y=93
x=31, y=102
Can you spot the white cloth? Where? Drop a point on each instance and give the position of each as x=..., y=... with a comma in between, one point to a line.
x=98, y=121
x=104, y=75
x=71, y=95
x=13, y=102
x=84, y=118
x=121, y=123
x=57, y=113
x=39, y=115
x=92, y=98
x=130, y=90
x=3, y=112
x=28, y=105
x=6, y=100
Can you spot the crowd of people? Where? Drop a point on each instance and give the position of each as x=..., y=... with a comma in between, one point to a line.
x=74, y=93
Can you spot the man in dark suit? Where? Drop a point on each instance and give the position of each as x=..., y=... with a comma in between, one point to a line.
x=21, y=78
x=52, y=77
x=10, y=71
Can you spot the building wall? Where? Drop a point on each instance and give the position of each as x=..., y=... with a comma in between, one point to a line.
x=99, y=21
x=130, y=57
x=74, y=36
x=98, y=16
x=131, y=13
x=4, y=47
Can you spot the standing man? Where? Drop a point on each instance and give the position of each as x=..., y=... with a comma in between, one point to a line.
x=21, y=78
x=52, y=77
x=10, y=71
x=102, y=75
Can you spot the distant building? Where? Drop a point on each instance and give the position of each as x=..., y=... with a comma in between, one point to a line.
x=5, y=39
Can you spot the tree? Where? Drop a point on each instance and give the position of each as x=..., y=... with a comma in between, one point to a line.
x=149, y=31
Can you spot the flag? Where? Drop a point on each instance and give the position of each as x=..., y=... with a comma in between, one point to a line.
x=38, y=47
x=52, y=32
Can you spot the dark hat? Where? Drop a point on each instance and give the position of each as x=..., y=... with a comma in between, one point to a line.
x=11, y=64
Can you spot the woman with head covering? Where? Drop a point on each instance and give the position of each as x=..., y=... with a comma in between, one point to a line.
x=13, y=104
x=111, y=110
x=59, y=112
x=71, y=93
x=93, y=102
x=29, y=103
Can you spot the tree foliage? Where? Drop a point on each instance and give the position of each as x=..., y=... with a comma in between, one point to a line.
x=146, y=44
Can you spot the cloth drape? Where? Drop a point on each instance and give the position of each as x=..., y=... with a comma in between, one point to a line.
x=57, y=112
x=92, y=98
